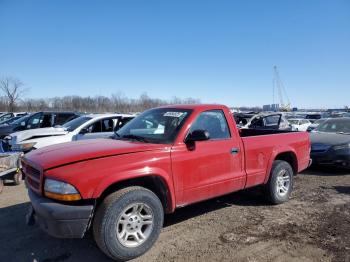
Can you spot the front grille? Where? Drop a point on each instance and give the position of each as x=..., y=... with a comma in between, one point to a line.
x=33, y=176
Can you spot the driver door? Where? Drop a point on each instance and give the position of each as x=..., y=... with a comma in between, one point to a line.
x=213, y=167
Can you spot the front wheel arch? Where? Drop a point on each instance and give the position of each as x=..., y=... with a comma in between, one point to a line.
x=154, y=183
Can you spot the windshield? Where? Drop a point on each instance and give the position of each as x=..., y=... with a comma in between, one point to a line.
x=75, y=123
x=320, y=121
x=23, y=118
x=335, y=126
x=160, y=125
x=315, y=116
x=9, y=121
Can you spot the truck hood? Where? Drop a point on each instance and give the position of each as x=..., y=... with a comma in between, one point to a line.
x=72, y=152
x=21, y=136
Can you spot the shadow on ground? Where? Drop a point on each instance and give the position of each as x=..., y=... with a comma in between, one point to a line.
x=326, y=171
x=342, y=189
x=249, y=197
x=28, y=243
x=20, y=242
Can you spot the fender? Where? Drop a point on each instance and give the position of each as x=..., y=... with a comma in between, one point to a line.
x=275, y=152
x=139, y=173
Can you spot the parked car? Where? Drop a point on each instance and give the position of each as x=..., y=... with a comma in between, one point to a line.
x=242, y=119
x=84, y=127
x=8, y=116
x=315, y=124
x=37, y=120
x=331, y=143
x=299, y=124
x=10, y=168
x=9, y=121
x=269, y=121
x=313, y=117
x=165, y=158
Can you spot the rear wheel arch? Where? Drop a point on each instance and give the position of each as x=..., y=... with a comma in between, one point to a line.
x=291, y=158
x=287, y=156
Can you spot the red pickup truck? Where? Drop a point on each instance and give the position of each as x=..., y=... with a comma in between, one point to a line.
x=165, y=158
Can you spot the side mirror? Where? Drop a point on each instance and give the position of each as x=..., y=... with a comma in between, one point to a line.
x=197, y=135
x=23, y=123
x=83, y=131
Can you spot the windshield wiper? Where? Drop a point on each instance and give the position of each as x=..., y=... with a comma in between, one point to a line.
x=135, y=137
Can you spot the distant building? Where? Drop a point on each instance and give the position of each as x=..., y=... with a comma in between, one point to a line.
x=334, y=110
x=271, y=107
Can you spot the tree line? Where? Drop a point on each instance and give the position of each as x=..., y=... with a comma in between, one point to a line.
x=13, y=90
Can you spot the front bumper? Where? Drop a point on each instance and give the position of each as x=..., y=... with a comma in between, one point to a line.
x=59, y=220
x=331, y=158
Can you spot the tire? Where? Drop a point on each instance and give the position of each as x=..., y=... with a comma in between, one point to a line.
x=277, y=189
x=1, y=185
x=112, y=219
x=17, y=178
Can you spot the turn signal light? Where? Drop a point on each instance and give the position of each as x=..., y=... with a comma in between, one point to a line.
x=66, y=197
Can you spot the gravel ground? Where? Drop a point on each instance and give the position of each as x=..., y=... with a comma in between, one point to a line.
x=313, y=226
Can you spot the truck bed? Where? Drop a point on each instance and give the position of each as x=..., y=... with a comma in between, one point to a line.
x=261, y=147
x=245, y=132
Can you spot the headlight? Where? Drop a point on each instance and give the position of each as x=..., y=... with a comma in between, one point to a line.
x=23, y=147
x=341, y=147
x=60, y=190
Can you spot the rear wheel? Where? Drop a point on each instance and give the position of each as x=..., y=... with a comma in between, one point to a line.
x=128, y=223
x=280, y=184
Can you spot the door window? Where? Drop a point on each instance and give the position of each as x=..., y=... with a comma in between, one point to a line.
x=34, y=121
x=121, y=122
x=95, y=127
x=272, y=120
x=104, y=125
x=107, y=125
x=46, y=121
x=214, y=122
x=62, y=118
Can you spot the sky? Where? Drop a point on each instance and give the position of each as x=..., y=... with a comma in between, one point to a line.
x=216, y=51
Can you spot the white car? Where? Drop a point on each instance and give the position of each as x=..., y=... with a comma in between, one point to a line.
x=83, y=127
x=299, y=124
x=268, y=121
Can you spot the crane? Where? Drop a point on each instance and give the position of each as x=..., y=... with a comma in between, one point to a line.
x=282, y=94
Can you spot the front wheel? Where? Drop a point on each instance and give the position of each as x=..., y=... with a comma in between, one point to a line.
x=1, y=185
x=280, y=184
x=17, y=178
x=128, y=223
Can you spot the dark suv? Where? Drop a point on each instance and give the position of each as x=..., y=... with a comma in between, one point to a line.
x=37, y=120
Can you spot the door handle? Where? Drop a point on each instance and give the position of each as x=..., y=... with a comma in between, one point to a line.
x=234, y=150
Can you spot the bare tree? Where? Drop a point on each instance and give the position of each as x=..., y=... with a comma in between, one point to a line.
x=116, y=103
x=12, y=89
